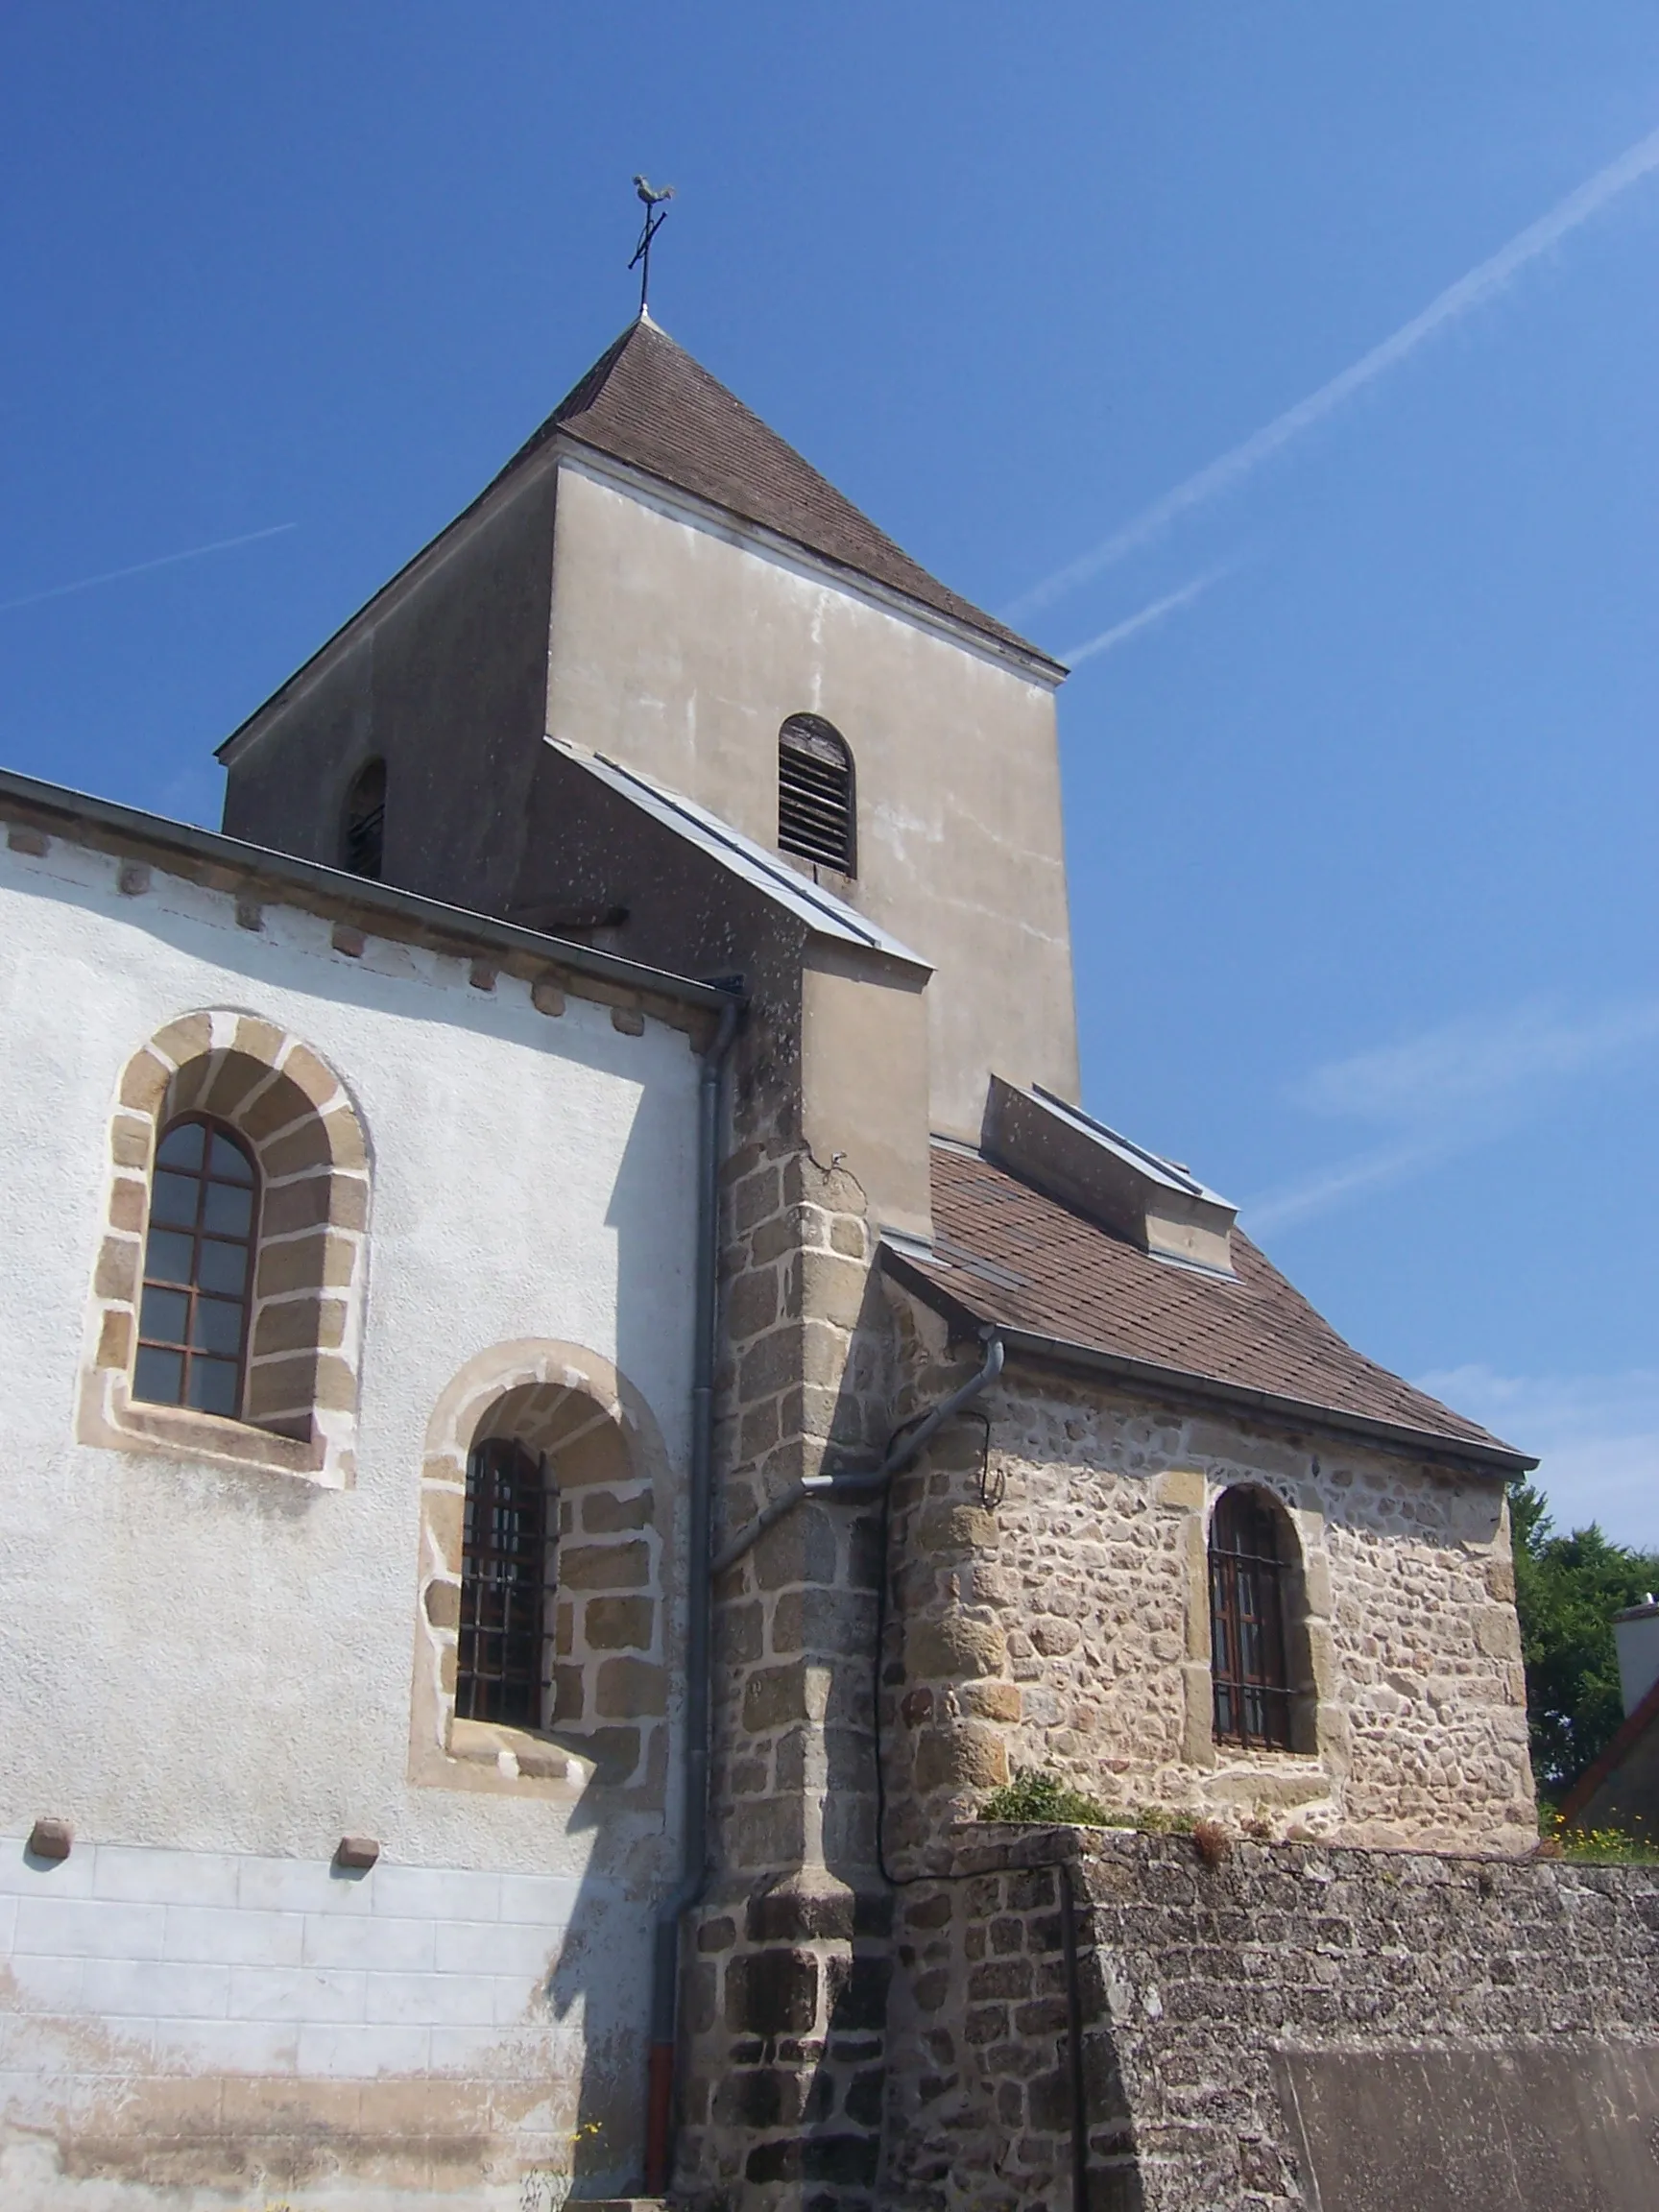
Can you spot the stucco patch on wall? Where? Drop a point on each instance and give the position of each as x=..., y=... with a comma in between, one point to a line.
x=194, y=2020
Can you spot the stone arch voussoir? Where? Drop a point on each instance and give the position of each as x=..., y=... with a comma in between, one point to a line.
x=608, y=1627
x=307, y=1137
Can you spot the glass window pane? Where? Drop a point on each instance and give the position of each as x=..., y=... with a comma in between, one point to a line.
x=218, y=1326
x=159, y=1377
x=228, y=1213
x=173, y=1200
x=167, y=1256
x=213, y=1385
x=163, y=1314
x=181, y=1147
x=228, y=1162
x=222, y=1267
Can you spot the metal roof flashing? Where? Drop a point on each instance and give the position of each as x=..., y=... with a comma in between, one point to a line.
x=1157, y=1204
x=818, y=910
x=1171, y=1171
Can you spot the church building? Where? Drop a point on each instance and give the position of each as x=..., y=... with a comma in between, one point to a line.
x=583, y=1389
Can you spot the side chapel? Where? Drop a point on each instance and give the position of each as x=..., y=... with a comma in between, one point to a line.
x=583, y=1388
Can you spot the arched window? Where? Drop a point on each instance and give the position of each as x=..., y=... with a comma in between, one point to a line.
x=198, y=1261
x=817, y=816
x=363, y=838
x=240, y=1180
x=501, y=1664
x=1250, y=1570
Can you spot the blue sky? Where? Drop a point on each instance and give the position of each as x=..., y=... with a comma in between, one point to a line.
x=1359, y=758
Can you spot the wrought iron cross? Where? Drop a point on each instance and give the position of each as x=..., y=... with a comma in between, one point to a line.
x=656, y=215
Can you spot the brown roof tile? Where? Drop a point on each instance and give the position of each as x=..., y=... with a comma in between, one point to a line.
x=1004, y=1253
x=647, y=402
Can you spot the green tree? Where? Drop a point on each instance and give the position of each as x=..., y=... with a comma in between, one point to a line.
x=1567, y=1591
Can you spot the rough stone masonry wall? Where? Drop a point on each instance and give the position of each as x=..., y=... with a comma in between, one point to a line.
x=1483, y=1995
x=786, y=1973
x=1054, y=1613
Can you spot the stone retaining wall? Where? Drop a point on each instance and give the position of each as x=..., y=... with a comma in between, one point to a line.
x=1408, y=2030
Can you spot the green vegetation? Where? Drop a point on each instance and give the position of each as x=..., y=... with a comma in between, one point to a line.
x=1595, y=1847
x=1567, y=1591
x=1036, y=1795
x=1156, y=1820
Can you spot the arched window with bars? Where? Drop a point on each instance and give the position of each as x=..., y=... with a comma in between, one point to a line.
x=507, y=1581
x=1252, y=1566
x=362, y=833
x=198, y=1268
x=817, y=809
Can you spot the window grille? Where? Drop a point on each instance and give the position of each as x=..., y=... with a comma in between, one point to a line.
x=363, y=842
x=504, y=1586
x=197, y=1260
x=1247, y=1641
x=816, y=816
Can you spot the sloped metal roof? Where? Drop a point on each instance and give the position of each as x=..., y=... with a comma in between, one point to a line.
x=818, y=909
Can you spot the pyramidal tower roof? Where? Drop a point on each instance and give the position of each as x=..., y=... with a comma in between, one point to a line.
x=646, y=402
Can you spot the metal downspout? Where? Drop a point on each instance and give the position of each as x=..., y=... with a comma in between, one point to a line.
x=901, y=1448
x=699, y=1594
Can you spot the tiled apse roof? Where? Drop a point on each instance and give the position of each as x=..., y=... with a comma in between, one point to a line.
x=646, y=402
x=1007, y=1253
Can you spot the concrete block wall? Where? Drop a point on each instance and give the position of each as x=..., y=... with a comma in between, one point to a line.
x=174, y=2021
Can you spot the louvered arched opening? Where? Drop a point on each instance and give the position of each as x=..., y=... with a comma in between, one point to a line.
x=817, y=817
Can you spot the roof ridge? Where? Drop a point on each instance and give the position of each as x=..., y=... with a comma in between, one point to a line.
x=593, y=379
x=648, y=403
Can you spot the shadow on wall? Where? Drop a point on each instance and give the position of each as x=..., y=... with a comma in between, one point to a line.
x=550, y=1609
x=794, y=1965
x=615, y=1692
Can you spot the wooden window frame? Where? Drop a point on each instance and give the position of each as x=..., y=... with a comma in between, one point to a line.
x=192, y=1290
x=1251, y=1582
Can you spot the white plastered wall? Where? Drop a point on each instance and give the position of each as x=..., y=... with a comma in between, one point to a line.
x=208, y=1671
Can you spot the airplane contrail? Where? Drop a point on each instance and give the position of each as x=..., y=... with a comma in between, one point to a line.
x=1132, y=625
x=1469, y=291
x=140, y=567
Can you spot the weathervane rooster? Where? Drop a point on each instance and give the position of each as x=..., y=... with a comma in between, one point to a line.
x=656, y=215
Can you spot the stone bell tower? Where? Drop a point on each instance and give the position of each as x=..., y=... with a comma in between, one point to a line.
x=657, y=578
x=663, y=689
